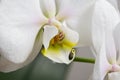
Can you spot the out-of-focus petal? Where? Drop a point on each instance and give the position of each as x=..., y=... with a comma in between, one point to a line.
x=48, y=8
x=110, y=47
x=105, y=17
x=114, y=76
x=102, y=65
x=116, y=34
x=7, y=66
x=49, y=33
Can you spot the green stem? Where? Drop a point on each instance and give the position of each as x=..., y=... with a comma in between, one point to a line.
x=85, y=60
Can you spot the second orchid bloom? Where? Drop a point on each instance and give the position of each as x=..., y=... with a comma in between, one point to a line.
x=107, y=46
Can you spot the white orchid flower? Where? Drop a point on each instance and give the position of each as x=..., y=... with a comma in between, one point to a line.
x=107, y=65
x=26, y=25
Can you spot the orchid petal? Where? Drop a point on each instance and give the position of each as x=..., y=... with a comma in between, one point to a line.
x=105, y=17
x=110, y=47
x=49, y=33
x=61, y=52
x=116, y=34
x=48, y=8
x=82, y=22
x=102, y=65
x=7, y=66
x=70, y=34
x=111, y=50
x=114, y=76
x=68, y=8
x=20, y=12
x=17, y=41
x=19, y=26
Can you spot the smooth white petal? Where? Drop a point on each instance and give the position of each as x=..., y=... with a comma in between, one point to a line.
x=116, y=34
x=114, y=76
x=48, y=8
x=20, y=11
x=105, y=17
x=49, y=33
x=110, y=47
x=102, y=65
x=71, y=8
x=82, y=23
x=20, y=22
x=7, y=66
x=17, y=41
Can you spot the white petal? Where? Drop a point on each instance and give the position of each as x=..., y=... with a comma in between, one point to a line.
x=7, y=66
x=70, y=34
x=110, y=47
x=17, y=41
x=114, y=76
x=105, y=17
x=70, y=8
x=102, y=65
x=117, y=40
x=20, y=22
x=49, y=33
x=20, y=11
x=48, y=8
x=82, y=22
